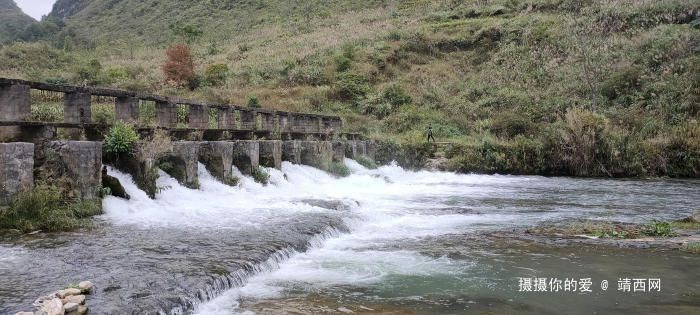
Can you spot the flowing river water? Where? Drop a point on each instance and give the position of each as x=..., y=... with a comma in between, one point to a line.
x=384, y=241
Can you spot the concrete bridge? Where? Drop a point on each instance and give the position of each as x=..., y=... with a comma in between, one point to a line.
x=233, y=122
x=27, y=144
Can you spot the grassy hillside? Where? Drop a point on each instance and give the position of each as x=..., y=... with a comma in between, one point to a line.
x=591, y=88
x=12, y=21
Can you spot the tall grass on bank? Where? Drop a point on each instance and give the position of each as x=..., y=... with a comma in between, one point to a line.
x=44, y=209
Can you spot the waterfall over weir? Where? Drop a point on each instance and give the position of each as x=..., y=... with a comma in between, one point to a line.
x=378, y=239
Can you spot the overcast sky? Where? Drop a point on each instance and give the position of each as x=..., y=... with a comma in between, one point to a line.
x=35, y=8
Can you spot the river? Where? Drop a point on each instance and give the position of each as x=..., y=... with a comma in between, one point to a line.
x=383, y=241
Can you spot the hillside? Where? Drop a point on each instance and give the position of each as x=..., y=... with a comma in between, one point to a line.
x=588, y=88
x=12, y=21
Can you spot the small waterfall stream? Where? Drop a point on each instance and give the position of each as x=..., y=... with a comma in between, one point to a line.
x=412, y=242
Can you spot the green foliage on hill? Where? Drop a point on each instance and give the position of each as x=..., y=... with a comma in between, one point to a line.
x=591, y=88
x=12, y=21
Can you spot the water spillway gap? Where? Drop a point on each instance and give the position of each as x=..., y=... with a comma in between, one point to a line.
x=410, y=240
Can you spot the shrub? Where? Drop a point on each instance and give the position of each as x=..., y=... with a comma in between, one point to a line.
x=254, y=102
x=120, y=139
x=216, y=73
x=622, y=82
x=261, y=175
x=658, y=228
x=32, y=56
x=232, y=180
x=103, y=114
x=179, y=68
x=511, y=124
x=339, y=169
x=366, y=161
x=693, y=247
x=352, y=86
x=44, y=209
x=343, y=63
x=47, y=113
x=57, y=81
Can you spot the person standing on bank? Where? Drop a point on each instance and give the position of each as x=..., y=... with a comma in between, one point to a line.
x=430, y=132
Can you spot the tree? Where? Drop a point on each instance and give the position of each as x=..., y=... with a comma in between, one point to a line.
x=590, y=45
x=179, y=68
x=190, y=33
x=307, y=8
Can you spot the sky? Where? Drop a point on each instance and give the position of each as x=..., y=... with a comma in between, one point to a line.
x=35, y=8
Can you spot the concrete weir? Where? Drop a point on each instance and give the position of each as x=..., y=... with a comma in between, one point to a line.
x=16, y=170
x=217, y=157
x=318, y=154
x=184, y=159
x=271, y=153
x=80, y=163
x=246, y=155
x=291, y=151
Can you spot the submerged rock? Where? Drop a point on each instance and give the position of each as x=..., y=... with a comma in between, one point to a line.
x=328, y=204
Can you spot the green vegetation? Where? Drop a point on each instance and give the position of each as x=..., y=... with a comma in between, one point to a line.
x=366, y=161
x=684, y=225
x=44, y=209
x=12, y=21
x=692, y=247
x=584, y=88
x=339, y=169
x=254, y=102
x=261, y=175
x=120, y=139
x=232, y=180
x=71, y=286
x=658, y=229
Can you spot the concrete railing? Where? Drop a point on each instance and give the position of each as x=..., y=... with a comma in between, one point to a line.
x=15, y=105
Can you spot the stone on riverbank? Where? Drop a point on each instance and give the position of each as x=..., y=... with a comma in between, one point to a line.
x=78, y=299
x=53, y=307
x=25, y=313
x=85, y=286
x=71, y=307
x=82, y=309
x=67, y=292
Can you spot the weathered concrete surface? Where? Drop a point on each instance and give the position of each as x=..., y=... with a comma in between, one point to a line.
x=141, y=171
x=77, y=108
x=354, y=149
x=268, y=121
x=285, y=122
x=291, y=151
x=185, y=160
x=271, y=153
x=16, y=170
x=80, y=163
x=246, y=155
x=114, y=185
x=249, y=118
x=217, y=157
x=166, y=114
x=339, y=152
x=126, y=109
x=15, y=103
x=226, y=118
x=318, y=154
x=371, y=149
x=199, y=116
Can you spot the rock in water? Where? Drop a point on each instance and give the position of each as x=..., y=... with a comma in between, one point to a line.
x=67, y=292
x=86, y=286
x=71, y=307
x=78, y=299
x=25, y=313
x=53, y=307
x=82, y=309
x=696, y=216
x=115, y=186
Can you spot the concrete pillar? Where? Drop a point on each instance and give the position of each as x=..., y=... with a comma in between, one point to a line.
x=185, y=160
x=285, y=122
x=199, y=116
x=268, y=121
x=226, y=118
x=77, y=108
x=318, y=154
x=339, y=152
x=217, y=157
x=312, y=124
x=166, y=114
x=298, y=123
x=80, y=162
x=271, y=153
x=141, y=169
x=326, y=125
x=16, y=170
x=291, y=152
x=246, y=155
x=371, y=149
x=355, y=149
x=248, y=118
x=337, y=125
x=15, y=103
x=126, y=109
